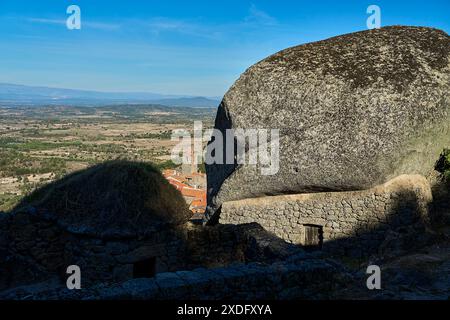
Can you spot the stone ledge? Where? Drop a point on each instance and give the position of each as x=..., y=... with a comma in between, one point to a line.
x=240, y=281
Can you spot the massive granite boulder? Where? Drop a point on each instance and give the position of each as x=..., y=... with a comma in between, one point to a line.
x=353, y=111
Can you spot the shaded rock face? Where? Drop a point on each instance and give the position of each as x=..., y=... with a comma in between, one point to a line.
x=353, y=112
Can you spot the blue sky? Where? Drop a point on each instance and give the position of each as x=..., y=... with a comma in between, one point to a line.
x=175, y=47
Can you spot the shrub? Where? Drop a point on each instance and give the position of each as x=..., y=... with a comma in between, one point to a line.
x=121, y=194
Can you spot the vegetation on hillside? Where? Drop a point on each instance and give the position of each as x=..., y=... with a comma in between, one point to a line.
x=443, y=164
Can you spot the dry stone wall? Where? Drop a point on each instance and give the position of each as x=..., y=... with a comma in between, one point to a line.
x=351, y=223
x=298, y=277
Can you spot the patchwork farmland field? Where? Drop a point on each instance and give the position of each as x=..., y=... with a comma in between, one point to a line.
x=41, y=144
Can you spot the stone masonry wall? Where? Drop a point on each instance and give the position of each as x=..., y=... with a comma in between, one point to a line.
x=352, y=223
x=34, y=248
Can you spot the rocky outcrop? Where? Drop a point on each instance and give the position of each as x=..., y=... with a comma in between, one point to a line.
x=353, y=112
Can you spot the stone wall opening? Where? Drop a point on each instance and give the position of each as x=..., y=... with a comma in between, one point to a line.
x=313, y=236
x=145, y=268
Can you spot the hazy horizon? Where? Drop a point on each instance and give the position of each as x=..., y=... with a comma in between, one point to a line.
x=164, y=96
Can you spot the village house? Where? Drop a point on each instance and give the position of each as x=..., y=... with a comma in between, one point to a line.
x=192, y=187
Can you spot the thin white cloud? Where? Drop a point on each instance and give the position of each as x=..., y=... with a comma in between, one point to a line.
x=46, y=21
x=88, y=24
x=258, y=16
x=101, y=25
x=159, y=25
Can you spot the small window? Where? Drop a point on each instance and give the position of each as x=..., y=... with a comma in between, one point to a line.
x=145, y=268
x=313, y=237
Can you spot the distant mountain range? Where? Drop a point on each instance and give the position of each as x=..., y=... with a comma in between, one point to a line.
x=14, y=94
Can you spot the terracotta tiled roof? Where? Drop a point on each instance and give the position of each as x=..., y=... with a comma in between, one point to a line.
x=198, y=203
x=192, y=192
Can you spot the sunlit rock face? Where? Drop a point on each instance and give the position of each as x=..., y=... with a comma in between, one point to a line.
x=353, y=112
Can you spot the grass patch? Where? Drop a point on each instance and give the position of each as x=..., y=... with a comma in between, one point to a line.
x=8, y=201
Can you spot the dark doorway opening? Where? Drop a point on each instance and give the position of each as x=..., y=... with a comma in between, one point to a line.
x=313, y=237
x=214, y=220
x=145, y=268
